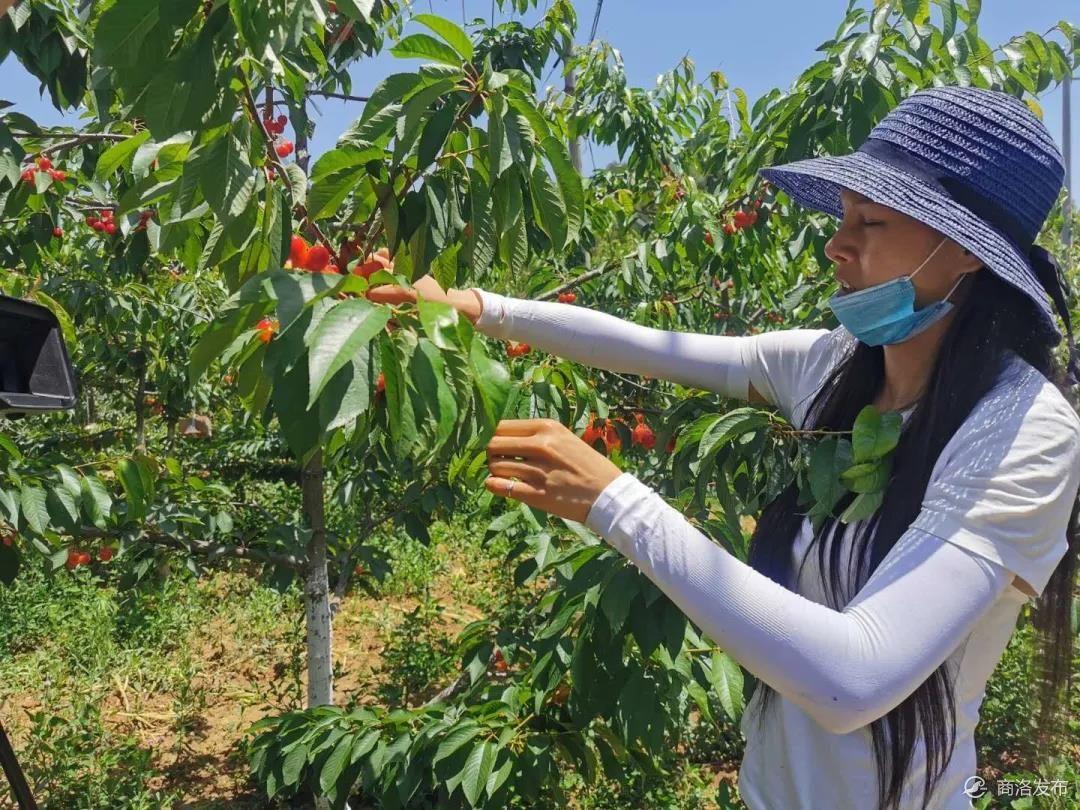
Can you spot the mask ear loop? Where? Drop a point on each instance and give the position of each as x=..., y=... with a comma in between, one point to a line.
x=959, y=281
x=928, y=258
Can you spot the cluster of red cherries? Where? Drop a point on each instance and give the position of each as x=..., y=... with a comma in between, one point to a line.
x=641, y=434
x=275, y=126
x=42, y=164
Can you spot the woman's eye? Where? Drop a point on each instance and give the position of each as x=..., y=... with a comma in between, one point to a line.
x=872, y=222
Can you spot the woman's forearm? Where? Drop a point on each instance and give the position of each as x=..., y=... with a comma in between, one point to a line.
x=593, y=338
x=844, y=668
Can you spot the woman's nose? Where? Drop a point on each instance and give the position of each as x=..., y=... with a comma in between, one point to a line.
x=839, y=249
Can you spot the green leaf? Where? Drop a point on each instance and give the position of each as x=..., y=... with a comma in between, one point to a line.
x=122, y=30
x=96, y=501
x=862, y=507
x=224, y=175
x=63, y=507
x=439, y=321
x=422, y=46
x=869, y=477
x=492, y=381
x=477, y=770
x=427, y=370
x=827, y=460
x=726, y=678
x=339, y=335
x=417, y=110
x=875, y=434
x=569, y=185
x=118, y=154
x=499, y=156
x=399, y=408
x=335, y=174
x=336, y=763
x=434, y=135
x=296, y=181
x=548, y=207
x=455, y=739
x=389, y=91
x=948, y=19
x=33, y=507
x=132, y=482
x=294, y=764
x=449, y=31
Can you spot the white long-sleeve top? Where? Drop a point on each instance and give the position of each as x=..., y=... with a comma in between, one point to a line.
x=995, y=509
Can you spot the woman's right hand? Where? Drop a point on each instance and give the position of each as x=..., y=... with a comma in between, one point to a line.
x=464, y=301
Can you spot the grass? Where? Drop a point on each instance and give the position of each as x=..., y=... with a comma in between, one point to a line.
x=143, y=698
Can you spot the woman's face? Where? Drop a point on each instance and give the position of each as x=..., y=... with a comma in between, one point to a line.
x=875, y=244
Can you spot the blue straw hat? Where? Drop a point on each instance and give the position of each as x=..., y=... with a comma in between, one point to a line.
x=976, y=165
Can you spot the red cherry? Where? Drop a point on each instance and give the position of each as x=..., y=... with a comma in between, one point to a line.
x=72, y=558
x=58, y=232
x=670, y=447
x=567, y=297
x=317, y=258
x=298, y=251
x=28, y=175
x=284, y=149
x=110, y=228
x=708, y=238
x=380, y=383
x=105, y=554
x=84, y=558
x=643, y=434
x=729, y=228
x=611, y=435
x=44, y=163
x=367, y=268
x=741, y=219
x=107, y=215
x=90, y=220
x=281, y=122
x=99, y=225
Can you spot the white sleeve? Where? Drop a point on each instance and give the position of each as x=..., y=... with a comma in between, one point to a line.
x=1005, y=484
x=722, y=363
x=844, y=668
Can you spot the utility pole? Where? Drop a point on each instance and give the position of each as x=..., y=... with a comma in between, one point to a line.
x=570, y=88
x=1066, y=137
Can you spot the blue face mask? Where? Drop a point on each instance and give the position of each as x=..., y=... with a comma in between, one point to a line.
x=885, y=313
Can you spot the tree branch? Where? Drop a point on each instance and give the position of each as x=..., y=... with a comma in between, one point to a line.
x=207, y=549
x=342, y=96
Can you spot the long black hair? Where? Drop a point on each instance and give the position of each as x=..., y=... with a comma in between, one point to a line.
x=992, y=318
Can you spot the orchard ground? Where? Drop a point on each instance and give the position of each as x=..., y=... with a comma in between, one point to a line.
x=147, y=698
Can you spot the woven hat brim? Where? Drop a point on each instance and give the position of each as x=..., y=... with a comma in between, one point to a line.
x=816, y=183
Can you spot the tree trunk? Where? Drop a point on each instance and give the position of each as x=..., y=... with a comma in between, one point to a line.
x=140, y=410
x=570, y=88
x=320, y=642
x=317, y=590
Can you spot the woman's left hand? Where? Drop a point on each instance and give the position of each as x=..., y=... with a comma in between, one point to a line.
x=555, y=469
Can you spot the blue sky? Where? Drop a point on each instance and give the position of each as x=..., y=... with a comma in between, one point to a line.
x=758, y=46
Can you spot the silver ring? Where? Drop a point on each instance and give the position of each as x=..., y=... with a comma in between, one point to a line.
x=509, y=488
